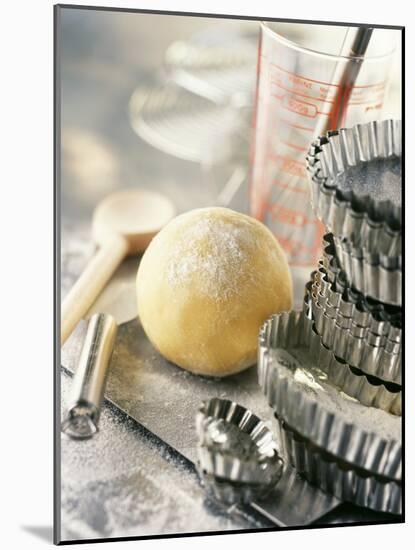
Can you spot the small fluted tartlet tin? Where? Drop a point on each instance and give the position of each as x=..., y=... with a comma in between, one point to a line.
x=375, y=354
x=377, y=276
x=237, y=454
x=354, y=382
x=361, y=310
x=367, y=219
x=339, y=478
x=301, y=394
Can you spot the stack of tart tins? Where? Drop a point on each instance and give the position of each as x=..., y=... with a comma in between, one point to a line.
x=356, y=184
x=332, y=372
x=355, y=297
x=337, y=442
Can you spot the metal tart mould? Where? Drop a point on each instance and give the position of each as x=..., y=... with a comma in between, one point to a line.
x=350, y=309
x=339, y=478
x=365, y=219
x=381, y=281
x=236, y=447
x=352, y=315
x=365, y=312
x=354, y=382
x=301, y=394
x=374, y=354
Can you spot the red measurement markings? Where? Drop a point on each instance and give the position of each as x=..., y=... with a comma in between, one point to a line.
x=289, y=165
x=374, y=107
x=298, y=126
x=296, y=92
x=299, y=254
x=302, y=108
x=363, y=92
x=378, y=84
x=375, y=98
x=295, y=188
x=294, y=146
x=283, y=214
x=364, y=101
x=299, y=107
x=298, y=78
x=357, y=97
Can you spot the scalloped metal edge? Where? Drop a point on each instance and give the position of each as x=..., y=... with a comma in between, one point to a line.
x=373, y=354
x=226, y=465
x=353, y=381
x=324, y=428
x=351, y=314
x=354, y=305
x=375, y=281
x=333, y=153
x=340, y=479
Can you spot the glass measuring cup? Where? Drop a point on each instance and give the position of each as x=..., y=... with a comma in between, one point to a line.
x=299, y=90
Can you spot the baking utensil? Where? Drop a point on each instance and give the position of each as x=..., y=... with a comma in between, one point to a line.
x=374, y=280
x=194, y=128
x=379, y=277
x=354, y=382
x=370, y=219
x=363, y=311
x=372, y=353
x=354, y=47
x=118, y=302
x=219, y=66
x=339, y=478
x=297, y=98
x=237, y=449
x=123, y=224
x=82, y=416
x=183, y=124
x=301, y=395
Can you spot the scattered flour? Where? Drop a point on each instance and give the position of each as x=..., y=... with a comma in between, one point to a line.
x=125, y=482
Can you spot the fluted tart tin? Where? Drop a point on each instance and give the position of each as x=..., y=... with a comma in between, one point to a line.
x=302, y=395
x=353, y=381
x=339, y=478
x=377, y=317
x=374, y=281
x=377, y=276
x=368, y=347
x=237, y=454
x=355, y=176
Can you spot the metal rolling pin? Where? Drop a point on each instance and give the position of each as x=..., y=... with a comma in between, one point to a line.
x=82, y=416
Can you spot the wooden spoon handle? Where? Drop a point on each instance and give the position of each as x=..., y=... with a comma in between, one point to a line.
x=93, y=279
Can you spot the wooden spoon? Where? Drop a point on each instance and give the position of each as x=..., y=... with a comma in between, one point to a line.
x=123, y=224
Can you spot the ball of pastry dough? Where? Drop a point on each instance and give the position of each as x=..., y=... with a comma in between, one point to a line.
x=205, y=285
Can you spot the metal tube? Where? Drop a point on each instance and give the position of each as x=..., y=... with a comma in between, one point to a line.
x=82, y=416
